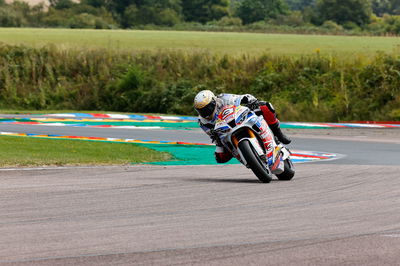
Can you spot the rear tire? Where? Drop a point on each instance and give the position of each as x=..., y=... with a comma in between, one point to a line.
x=289, y=171
x=254, y=161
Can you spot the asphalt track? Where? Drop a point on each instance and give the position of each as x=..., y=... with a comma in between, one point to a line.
x=342, y=212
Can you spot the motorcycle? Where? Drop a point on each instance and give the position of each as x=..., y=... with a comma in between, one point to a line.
x=248, y=137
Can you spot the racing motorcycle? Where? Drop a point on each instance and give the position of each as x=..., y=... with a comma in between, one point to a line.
x=248, y=137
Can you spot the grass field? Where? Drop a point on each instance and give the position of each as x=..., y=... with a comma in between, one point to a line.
x=228, y=43
x=23, y=151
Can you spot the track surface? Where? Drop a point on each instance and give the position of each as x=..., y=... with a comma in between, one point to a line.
x=343, y=212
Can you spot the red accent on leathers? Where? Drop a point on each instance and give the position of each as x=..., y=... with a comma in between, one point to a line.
x=268, y=115
x=223, y=157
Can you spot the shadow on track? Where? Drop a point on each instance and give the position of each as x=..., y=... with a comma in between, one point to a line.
x=230, y=180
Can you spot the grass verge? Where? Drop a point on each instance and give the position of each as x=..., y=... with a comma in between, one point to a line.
x=21, y=151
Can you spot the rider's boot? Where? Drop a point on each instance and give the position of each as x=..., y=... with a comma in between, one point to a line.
x=276, y=129
x=222, y=155
x=269, y=115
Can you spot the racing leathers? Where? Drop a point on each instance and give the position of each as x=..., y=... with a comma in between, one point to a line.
x=264, y=108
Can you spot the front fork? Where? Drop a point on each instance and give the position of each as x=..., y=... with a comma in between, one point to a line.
x=274, y=155
x=236, y=141
x=254, y=142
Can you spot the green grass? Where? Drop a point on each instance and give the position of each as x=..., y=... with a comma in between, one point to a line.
x=214, y=42
x=24, y=151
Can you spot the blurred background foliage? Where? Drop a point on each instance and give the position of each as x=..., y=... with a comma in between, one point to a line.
x=304, y=88
x=353, y=17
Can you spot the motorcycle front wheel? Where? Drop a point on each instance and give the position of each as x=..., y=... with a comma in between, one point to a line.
x=289, y=171
x=255, y=163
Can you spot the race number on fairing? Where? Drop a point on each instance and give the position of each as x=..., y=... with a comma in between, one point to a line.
x=226, y=113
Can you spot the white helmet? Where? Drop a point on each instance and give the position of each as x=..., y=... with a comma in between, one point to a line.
x=205, y=104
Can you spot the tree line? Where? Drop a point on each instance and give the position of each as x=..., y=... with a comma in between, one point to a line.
x=332, y=16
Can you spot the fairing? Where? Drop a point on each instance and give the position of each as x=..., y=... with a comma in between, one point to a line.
x=237, y=123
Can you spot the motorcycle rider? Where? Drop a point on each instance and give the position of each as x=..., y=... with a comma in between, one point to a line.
x=208, y=107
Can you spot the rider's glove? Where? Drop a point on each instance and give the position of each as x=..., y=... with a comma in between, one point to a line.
x=253, y=105
x=250, y=102
x=215, y=138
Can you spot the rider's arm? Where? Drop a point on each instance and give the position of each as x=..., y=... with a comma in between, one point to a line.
x=253, y=103
x=208, y=128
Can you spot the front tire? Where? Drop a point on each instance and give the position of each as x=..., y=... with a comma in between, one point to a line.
x=289, y=171
x=259, y=168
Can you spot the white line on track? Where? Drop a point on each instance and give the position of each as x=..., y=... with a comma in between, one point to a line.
x=336, y=157
x=392, y=235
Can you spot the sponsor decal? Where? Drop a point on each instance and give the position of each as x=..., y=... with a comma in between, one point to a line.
x=227, y=112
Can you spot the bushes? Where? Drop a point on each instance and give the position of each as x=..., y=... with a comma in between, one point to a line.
x=146, y=15
x=80, y=17
x=229, y=22
x=313, y=88
x=11, y=18
x=20, y=14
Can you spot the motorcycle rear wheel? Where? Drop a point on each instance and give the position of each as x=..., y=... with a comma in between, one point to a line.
x=254, y=161
x=289, y=171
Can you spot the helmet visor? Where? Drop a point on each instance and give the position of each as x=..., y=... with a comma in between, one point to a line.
x=207, y=110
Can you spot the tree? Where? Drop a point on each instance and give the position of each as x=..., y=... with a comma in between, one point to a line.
x=158, y=12
x=119, y=6
x=345, y=11
x=138, y=12
x=204, y=10
x=381, y=7
x=256, y=10
x=61, y=4
x=11, y=18
x=97, y=3
x=299, y=4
